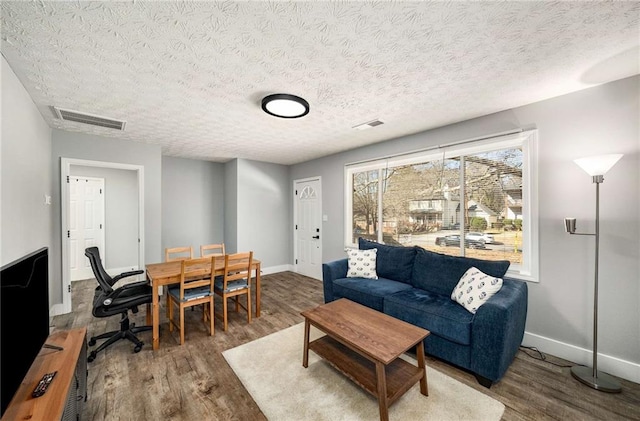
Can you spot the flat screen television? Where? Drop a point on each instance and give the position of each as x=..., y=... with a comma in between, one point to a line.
x=24, y=318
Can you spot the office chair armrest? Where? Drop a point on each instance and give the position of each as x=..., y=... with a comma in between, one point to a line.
x=134, y=285
x=123, y=294
x=127, y=274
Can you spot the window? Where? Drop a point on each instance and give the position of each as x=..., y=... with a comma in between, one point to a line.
x=475, y=199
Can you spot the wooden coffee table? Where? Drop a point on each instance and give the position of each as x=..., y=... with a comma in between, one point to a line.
x=365, y=345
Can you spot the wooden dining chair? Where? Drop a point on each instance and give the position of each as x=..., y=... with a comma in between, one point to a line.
x=235, y=281
x=178, y=253
x=174, y=254
x=212, y=250
x=196, y=287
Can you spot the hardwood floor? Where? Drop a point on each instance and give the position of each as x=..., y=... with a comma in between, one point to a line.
x=194, y=382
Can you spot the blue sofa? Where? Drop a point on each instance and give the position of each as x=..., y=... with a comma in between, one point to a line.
x=415, y=285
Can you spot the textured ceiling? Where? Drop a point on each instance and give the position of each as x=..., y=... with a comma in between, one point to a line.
x=189, y=76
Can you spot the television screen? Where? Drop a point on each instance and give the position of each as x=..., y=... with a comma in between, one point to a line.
x=24, y=318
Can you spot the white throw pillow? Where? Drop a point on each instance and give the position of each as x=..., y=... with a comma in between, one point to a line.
x=475, y=288
x=362, y=263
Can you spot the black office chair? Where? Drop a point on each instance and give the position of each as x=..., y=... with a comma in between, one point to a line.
x=109, y=301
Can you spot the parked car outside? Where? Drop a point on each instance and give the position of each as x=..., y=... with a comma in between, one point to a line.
x=454, y=240
x=477, y=236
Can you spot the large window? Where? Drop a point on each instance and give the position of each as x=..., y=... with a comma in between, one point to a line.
x=476, y=199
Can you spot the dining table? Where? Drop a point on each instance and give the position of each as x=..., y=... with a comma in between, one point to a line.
x=168, y=273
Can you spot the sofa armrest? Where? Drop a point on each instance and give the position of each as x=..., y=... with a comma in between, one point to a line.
x=498, y=329
x=330, y=272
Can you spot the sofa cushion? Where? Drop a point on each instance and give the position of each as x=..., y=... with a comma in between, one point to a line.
x=474, y=289
x=436, y=313
x=393, y=262
x=362, y=263
x=440, y=315
x=368, y=292
x=440, y=273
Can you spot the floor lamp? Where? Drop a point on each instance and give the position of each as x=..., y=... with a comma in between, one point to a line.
x=596, y=167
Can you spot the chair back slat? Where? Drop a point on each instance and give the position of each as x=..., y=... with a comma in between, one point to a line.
x=212, y=250
x=195, y=273
x=237, y=266
x=173, y=254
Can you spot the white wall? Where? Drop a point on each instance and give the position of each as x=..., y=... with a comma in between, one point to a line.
x=602, y=119
x=192, y=203
x=25, y=173
x=121, y=215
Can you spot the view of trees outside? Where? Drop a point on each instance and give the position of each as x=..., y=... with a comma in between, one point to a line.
x=365, y=204
x=421, y=205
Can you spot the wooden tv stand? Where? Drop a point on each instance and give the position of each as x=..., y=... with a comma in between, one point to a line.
x=67, y=392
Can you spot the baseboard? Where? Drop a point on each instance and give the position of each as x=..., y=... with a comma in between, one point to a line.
x=276, y=269
x=624, y=369
x=58, y=309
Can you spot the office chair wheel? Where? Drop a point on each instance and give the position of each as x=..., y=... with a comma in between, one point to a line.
x=137, y=348
x=92, y=341
x=92, y=356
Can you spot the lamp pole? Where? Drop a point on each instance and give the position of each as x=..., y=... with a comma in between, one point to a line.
x=597, y=179
x=591, y=377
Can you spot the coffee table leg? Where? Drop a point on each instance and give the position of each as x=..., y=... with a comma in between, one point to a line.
x=305, y=353
x=423, y=381
x=382, y=391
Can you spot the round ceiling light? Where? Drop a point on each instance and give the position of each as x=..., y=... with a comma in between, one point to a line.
x=285, y=106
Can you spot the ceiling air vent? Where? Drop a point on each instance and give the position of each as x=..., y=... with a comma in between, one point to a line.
x=368, y=125
x=94, y=120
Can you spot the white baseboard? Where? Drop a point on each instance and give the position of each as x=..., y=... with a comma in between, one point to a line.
x=276, y=269
x=625, y=369
x=58, y=309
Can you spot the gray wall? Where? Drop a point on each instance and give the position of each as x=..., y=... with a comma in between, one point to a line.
x=192, y=203
x=98, y=148
x=264, y=211
x=25, y=173
x=231, y=206
x=602, y=119
x=121, y=215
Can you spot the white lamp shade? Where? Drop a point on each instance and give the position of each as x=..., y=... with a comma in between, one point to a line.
x=598, y=165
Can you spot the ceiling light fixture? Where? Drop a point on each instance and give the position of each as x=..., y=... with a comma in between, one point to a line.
x=285, y=106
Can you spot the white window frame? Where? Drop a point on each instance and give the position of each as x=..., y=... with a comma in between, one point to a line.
x=527, y=139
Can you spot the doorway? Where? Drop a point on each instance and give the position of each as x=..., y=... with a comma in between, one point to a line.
x=67, y=171
x=308, y=227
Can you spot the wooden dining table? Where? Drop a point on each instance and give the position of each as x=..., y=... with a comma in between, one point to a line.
x=168, y=273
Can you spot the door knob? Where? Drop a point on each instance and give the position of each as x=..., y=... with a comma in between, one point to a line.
x=317, y=237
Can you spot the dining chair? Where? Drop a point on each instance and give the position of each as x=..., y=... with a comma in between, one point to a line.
x=212, y=250
x=235, y=281
x=174, y=254
x=196, y=287
x=178, y=253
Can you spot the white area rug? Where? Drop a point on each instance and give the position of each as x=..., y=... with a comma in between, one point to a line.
x=270, y=368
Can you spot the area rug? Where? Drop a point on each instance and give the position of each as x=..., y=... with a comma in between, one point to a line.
x=270, y=368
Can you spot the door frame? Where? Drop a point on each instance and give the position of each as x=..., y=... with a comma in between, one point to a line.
x=104, y=214
x=65, y=171
x=295, y=219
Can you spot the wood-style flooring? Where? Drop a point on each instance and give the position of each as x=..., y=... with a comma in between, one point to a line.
x=194, y=382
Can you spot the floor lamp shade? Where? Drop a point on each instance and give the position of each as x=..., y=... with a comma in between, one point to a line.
x=598, y=165
x=595, y=166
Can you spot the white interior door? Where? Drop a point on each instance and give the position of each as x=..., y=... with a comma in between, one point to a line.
x=86, y=223
x=308, y=224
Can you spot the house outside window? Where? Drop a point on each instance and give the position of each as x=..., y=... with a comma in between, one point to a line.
x=476, y=199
